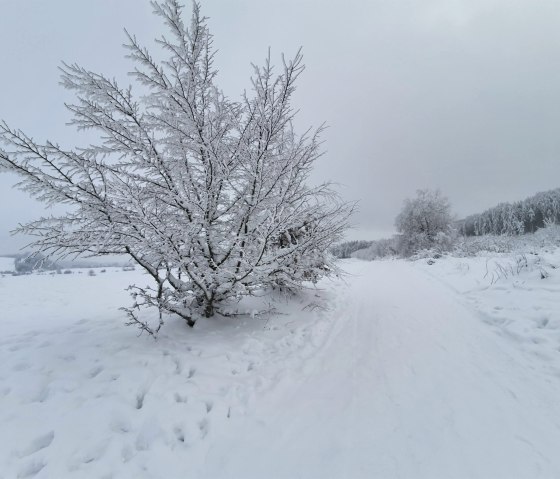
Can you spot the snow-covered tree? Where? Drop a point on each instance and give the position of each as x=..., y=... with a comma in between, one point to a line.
x=424, y=222
x=208, y=195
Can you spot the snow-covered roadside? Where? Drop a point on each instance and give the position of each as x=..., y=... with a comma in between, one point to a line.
x=517, y=294
x=82, y=396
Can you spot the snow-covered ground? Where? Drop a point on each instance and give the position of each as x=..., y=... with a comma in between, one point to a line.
x=81, y=395
x=6, y=264
x=517, y=295
x=403, y=369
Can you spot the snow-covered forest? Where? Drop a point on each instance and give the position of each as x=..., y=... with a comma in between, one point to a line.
x=266, y=340
x=516, y=218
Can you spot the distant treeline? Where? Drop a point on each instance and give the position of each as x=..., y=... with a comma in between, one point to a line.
x=27, y=263
x=345, y=250
x=516, y=218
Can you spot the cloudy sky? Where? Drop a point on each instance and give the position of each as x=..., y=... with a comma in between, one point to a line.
x=461, y=95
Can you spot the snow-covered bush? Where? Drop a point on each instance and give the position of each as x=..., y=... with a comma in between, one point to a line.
x=473, y=245
x=425, y=223
x=442, y=243
x=208, y=195
x=381, y=248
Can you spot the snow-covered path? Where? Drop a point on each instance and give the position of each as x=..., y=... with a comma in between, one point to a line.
x=409, y=384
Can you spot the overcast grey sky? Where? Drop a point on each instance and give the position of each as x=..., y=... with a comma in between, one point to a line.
x=461, y=95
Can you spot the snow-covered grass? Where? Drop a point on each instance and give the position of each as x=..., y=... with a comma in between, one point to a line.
x=403, y=369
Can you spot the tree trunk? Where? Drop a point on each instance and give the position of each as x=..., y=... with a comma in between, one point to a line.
x=209, y=309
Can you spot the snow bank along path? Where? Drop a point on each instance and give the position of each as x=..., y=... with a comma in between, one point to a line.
x=410, y=384
x=399, y=378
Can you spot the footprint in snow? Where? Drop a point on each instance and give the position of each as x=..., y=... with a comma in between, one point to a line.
x=120, y=425
x=68, y=357
x=140, y=399
x=38, y=444
x=543, y=323
x=21, y=366
x=42, y=395
x=179, y=433
x=127, y=454
x=178, y=365
x=95, y=372
x=203, y=426
x=31, y=469
x=94, y=453
x=179, y=398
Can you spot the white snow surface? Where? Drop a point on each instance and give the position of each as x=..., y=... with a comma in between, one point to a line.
x=402, y=370
x=6, y=264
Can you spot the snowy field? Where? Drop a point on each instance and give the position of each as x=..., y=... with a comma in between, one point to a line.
x=403, y=370
x=6, y=264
